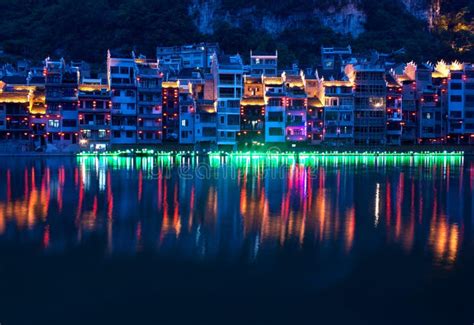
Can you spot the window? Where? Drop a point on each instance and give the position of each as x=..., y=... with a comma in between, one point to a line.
x=332, y=101
x=233, y=119
x=184, y=134
x=274, y=102
x=468, y=85
x=275, y=131
x=69, y=123
x=456, y=75
x=102, y=133
x=456, y=98
x=184, y=122
x=116, y=134
x=53, y=123
x=456, y=85
x=129, y=134
x=222, y=119
x=131, y=106
x=275, y=116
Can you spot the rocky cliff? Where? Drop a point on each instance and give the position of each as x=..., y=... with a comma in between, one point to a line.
x=342, y=16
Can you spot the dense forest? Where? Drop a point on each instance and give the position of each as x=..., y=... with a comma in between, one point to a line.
x=86, y=29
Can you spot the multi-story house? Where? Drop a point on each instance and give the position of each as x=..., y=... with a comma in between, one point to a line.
x=227, y=71
x=94, y=107
x=252, y=112
x=121, y=79
x=275, y=110
x=205, y=123
x=461, y=103
x=315, y=114
x=149, y=96
x=410, y=116
x=370, y=104
x=170, y=110
x=333, y=60
x=61, y=82
x=394, y=110
x=338, y=112
x=187, y=56
x=187, y=111
x=296, y=104
x=263, y=64
x=14, y=116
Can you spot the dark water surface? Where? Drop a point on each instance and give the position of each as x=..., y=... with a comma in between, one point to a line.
x=260, y=241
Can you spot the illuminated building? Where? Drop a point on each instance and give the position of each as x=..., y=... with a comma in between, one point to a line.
x=370, y=104
x=187, y=110
x=252, y=112
x=94, y=107
x=121, y=81
x=170, y=108
x=461, y=103
x=275, y=110
x=14, y=116
x=315, y=112
x=149, y=101
x=227, y=71
x=61, y=82
x=296, y=104
x=333, y=59
x=187, y=56
x=263, y=64
x=338, y=112
x=205, y=123
x=394, y=110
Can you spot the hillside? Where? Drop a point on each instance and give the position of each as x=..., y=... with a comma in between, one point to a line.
x=86, y=29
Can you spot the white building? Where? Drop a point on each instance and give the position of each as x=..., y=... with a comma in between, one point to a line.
x=121, y=79
x=227, y=71
x=263, y=64
x=274, y=109
x=461, y=102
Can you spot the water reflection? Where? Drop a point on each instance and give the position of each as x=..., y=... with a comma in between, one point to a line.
x=337, y=207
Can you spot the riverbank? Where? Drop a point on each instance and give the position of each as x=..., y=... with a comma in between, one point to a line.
x=438, y=150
